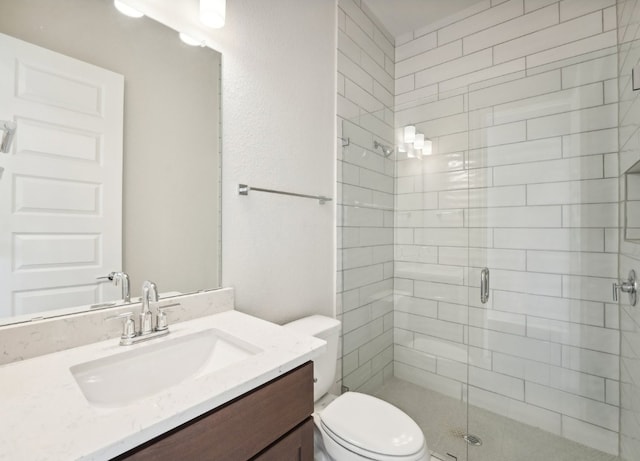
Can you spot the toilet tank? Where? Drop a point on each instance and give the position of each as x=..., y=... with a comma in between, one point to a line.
x=324, y=366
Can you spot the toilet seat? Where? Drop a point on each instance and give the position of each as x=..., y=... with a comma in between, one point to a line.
x=352, y=421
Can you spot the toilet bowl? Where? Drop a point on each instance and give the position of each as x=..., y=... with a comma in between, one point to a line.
x=355, y=426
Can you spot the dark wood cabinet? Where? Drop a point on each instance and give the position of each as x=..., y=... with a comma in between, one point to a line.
x=269, y=423
x=297, y=445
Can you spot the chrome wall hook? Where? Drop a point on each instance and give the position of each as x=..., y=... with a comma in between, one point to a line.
x=627, y=286
x=8, y=132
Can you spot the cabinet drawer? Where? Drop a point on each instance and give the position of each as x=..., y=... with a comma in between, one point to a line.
x=240, y=429
x=297, y=445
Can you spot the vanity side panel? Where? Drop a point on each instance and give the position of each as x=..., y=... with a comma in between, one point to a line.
x=240, y=429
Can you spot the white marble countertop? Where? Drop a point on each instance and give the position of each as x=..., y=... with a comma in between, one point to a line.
x=45, y=416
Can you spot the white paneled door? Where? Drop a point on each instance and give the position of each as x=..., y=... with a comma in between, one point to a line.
x=61, y=182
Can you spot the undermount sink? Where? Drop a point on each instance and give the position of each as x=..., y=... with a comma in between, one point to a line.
x=149, y=368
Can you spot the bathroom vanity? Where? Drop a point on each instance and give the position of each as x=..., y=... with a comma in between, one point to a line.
x=249, y=397
x=271, y=422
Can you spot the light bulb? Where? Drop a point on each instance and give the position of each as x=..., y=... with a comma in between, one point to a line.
x=409, y=134
x=127, y=10
x=189, y=40
x=213, y=12
x=418, y=143
x=428, y=147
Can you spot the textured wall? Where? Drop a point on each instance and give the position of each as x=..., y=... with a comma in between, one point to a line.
x=535, y=140
x=278, y=98
x=365, y=183
x=628, y=57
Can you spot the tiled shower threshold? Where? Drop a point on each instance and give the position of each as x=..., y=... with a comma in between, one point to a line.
x=444, y=421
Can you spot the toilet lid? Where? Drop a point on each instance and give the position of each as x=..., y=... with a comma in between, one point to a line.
x=372, y=425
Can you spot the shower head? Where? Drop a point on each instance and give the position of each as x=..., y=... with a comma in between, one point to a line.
x=386, y=150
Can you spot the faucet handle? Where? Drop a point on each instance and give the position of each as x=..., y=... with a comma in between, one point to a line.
x=161, y=318
x=107, y=277
x=128, y=326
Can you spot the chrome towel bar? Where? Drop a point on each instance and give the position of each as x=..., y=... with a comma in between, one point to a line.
x=243, y=189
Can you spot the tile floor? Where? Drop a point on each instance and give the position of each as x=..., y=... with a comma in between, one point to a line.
x=444, y=421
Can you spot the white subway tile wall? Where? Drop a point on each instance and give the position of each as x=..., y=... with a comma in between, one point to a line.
x=366, y=57
x=520, y=100
x=628, y=393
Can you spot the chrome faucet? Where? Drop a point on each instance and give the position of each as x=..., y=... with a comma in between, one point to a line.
x=149, y=294
x=122, y=278
x=145, y=331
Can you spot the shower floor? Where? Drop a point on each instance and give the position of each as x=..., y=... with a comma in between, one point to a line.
x=443, y=421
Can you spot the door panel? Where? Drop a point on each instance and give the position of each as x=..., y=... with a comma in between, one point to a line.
x=61, y=190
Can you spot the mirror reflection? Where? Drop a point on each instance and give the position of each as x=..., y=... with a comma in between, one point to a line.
x=114, y=163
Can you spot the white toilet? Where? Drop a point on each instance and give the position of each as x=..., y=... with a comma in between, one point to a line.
x=355, y=426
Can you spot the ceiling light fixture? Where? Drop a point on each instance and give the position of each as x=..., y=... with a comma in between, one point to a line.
x=213, y=13
x=409, y=134
x=189, y=40
x=127, y=10
x=413, y=143
x=418, y=142
x=428, y=147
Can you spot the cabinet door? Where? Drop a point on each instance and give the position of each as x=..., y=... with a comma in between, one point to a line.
x=297, y=445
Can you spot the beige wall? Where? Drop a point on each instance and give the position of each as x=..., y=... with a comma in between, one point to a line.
x=171, y=143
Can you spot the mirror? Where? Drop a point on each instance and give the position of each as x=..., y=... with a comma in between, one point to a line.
x=170, y=175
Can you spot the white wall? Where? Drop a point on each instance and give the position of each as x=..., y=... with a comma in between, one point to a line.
x=524, y=180
x=278, y=92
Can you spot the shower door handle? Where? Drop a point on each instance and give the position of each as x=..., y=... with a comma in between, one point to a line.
x=484, y=285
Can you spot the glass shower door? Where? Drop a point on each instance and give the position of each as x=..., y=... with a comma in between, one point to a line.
x=403, y=247
x=544, y=348
x=431, y=267
x=365, y=251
